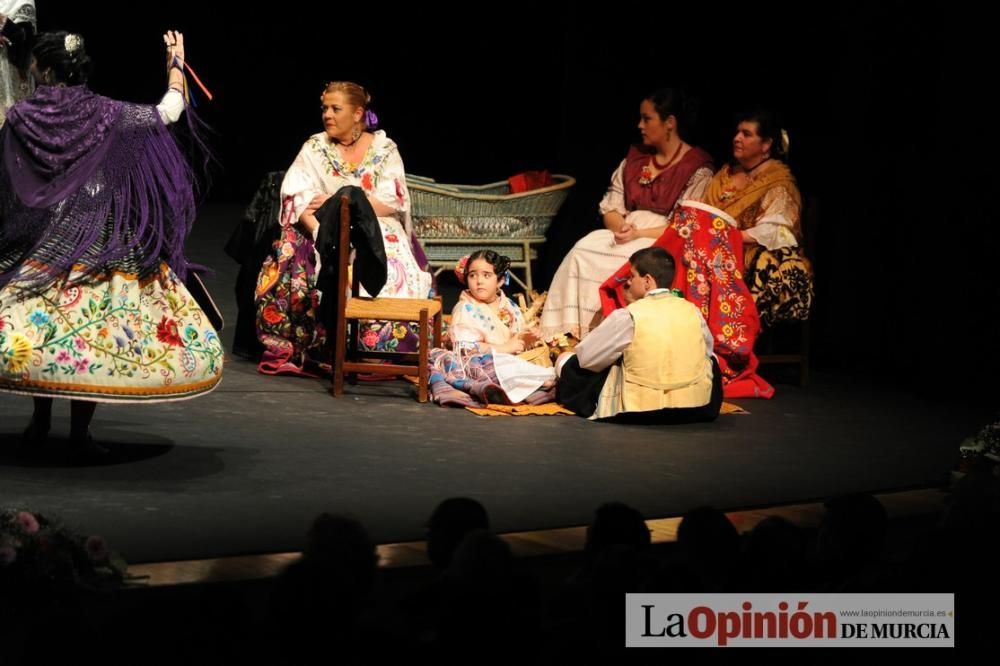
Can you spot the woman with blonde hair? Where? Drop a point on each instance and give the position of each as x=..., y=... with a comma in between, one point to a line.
x=349, y=152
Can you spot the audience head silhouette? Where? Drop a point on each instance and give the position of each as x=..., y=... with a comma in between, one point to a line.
x=450, y=522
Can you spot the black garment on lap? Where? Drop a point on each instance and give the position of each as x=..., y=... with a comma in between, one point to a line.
x=370, y=266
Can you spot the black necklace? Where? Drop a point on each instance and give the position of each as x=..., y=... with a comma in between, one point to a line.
x=747, y=171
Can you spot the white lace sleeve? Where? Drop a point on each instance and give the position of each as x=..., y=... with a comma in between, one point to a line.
x=391, y=188
x=300, y=184
x=614, y=198
x=696, y=186
x=778, y=215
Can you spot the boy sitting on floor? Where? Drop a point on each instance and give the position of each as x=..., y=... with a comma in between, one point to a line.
x=650, y=362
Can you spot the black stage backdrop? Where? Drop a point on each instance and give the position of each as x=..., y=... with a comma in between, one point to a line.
x=879, y=99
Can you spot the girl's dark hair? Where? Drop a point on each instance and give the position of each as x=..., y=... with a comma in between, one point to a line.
x=673, y=102
x=499, y=262
x=63, y=54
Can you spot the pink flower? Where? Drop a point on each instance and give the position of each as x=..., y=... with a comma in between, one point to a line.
x=63, y=356
x=80, y=343
x=97, y=549
x=370, y=338
x=81, y=364
x=460, y=268
x=27, y=522
x=7, y=555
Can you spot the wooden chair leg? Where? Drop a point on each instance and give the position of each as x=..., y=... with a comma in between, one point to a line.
x=437, y=325
x=339, y=349
x=804, y=351
x=353, y=350
x=340, y=328
x=423, y=356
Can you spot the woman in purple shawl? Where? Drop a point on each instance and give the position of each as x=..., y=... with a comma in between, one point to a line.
x=96, y=200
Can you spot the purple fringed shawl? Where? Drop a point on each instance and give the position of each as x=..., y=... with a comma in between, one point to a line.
x=89, y=183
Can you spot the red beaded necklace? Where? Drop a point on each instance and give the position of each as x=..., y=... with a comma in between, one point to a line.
x=673, y=157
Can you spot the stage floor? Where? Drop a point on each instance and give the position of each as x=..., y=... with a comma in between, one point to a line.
x=246, y=468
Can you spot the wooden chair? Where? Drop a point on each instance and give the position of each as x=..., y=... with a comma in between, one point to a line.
x=351, y=308
x=800, y=357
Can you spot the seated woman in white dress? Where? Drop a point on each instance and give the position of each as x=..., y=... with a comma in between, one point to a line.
x=348, y=152
x=644, y=190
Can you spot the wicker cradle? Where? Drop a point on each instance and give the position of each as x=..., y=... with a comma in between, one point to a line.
x=484, y=211
x=452, y=221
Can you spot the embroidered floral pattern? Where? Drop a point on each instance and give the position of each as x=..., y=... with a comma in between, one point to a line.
x=287, y=301
x=646, y=175
x=507, y=318
x=116, y=338
x=388, y=336
x=367, y=170
x=710, y=266
x=17, y=352
x=166, y=331
x=473, y=320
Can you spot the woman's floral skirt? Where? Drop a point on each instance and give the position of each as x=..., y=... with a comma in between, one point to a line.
x=287, y=300
x=110, y=339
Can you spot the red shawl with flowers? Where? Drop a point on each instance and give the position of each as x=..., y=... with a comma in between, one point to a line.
x=708, y=252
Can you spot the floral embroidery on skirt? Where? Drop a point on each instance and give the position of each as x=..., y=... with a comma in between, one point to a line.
x=115, y=339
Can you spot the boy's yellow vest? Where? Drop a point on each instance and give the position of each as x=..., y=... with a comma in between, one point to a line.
x=665, y=366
